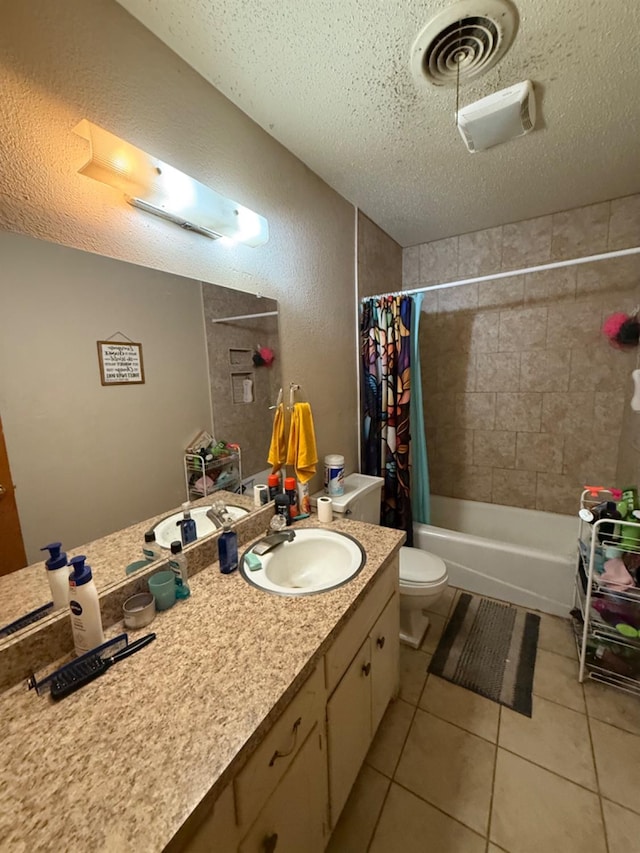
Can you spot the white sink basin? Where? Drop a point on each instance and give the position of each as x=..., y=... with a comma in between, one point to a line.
x=317, y=560
x=167, y=530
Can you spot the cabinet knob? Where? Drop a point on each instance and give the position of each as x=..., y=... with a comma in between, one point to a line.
x=380, y=642
x=366, y=668
x=270, y=843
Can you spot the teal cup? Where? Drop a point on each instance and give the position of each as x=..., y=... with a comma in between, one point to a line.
x=162, y=586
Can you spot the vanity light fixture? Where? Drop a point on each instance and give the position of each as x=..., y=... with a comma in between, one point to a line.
x=156, y=187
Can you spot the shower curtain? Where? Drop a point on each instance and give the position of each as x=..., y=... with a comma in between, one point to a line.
x=385, y=339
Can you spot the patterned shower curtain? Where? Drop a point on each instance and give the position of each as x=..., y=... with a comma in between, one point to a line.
x=385, y=346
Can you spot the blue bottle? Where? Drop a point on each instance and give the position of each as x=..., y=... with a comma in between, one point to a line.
x=187, y=525
x=228, y=550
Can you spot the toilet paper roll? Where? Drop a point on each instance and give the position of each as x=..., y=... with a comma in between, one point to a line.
x=260, y=495
x=325, y=509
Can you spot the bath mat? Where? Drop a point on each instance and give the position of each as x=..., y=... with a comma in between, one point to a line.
x=490, y=648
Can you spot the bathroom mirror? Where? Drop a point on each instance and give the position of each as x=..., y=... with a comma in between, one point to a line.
x=89, y=459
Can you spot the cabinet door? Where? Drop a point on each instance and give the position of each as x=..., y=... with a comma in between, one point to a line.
x=218, y=832
x=293, y=819
x=349, y=728
x=385, y=657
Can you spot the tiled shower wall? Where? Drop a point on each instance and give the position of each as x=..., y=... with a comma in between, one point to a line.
x=524, y=399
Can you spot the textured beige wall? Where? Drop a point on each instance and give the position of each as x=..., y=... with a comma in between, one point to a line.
x=61, y=62
x=525, y=401
x=379, y=259
x=87, y=459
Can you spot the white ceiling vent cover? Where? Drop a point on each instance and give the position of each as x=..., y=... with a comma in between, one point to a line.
x=499, y=117
x=474, y=34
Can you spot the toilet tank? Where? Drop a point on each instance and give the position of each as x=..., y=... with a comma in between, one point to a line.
x=361, y=498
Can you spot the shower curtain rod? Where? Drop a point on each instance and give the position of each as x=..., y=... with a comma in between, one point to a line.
x=245, y=317
x=620, y=253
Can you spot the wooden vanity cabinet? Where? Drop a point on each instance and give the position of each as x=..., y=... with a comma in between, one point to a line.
x=294, y=787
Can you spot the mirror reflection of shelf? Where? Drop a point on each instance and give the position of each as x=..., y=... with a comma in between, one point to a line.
x=205, y=476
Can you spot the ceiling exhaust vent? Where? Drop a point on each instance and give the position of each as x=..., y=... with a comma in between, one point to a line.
x=472, y=35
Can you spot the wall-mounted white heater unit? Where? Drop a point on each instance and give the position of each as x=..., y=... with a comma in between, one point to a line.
x=499, y=117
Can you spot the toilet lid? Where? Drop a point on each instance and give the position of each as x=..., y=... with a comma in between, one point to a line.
x=421, y=567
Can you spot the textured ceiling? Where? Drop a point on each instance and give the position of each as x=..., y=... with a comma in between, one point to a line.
x=331, y=80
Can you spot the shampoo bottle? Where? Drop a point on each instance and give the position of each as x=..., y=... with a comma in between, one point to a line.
x=228, y=550
x=86, y=622
x=57, y=574
x=151, y=550
x=187, y=525
x=178, y=565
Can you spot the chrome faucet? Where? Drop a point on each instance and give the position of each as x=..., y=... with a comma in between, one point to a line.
x=272, y=540
x=218, y=514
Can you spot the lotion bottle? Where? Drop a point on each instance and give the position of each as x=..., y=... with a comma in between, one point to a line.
x=178, y=565
x=86, y=621
x=57, y=574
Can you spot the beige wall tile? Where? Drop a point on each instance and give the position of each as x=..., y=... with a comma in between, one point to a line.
x=411, y=267
x=480, y=252
x=449, y=768
x=429, y=304
x=464, y=297
x=550, y=287
x=439, y=261
x=440, y=410
x=600, y=368
x=485, y=328
x=457, y=373
x=609, y=411
x=455, y=446
x=514, y=488
x=518, y=412
x=494, y=447
x=526, y=243
x=581, y=231
x=535, y=811
x=616, y=275
x=555, y=737
x=523, y=329
x=573, y=324
x=468, y=332
x=567, y=411
x=471, y=483
x=539, y=451
x=558, y=493
x=546, y=370
x=505, y=292
x=497, y=371
x=476, y=410
x=591, y=457
x=624, y=225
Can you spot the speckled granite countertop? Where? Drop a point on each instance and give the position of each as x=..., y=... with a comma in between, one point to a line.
x=108, y=557
x=121, y=764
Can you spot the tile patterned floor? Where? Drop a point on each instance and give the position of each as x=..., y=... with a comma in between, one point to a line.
x=452, y=772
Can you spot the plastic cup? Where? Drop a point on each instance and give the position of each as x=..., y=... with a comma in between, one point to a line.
x=162, y=586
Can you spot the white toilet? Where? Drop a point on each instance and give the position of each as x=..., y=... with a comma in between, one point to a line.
x=423, y=576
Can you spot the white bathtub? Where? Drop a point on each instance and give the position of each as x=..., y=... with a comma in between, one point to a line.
x=523, y=556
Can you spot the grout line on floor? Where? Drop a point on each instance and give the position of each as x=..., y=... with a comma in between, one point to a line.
x=554, y=772
x=439, y=809
x=561, y=704
x=457, y=725
x=595, y=769
x=493, y=778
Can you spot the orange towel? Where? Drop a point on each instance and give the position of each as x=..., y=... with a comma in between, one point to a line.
x=277, y=449
x=302, y=453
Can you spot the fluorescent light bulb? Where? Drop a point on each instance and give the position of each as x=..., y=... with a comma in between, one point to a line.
x=159, y=188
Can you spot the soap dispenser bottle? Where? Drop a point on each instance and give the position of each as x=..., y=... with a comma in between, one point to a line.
x=57, y=574
x=86, y=621
x=187, y=525
x=228, y=550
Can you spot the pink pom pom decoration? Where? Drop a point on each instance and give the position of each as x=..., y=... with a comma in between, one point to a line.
x=613, y=323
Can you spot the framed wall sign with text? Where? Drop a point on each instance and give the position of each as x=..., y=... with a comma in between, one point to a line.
x=120, y=363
